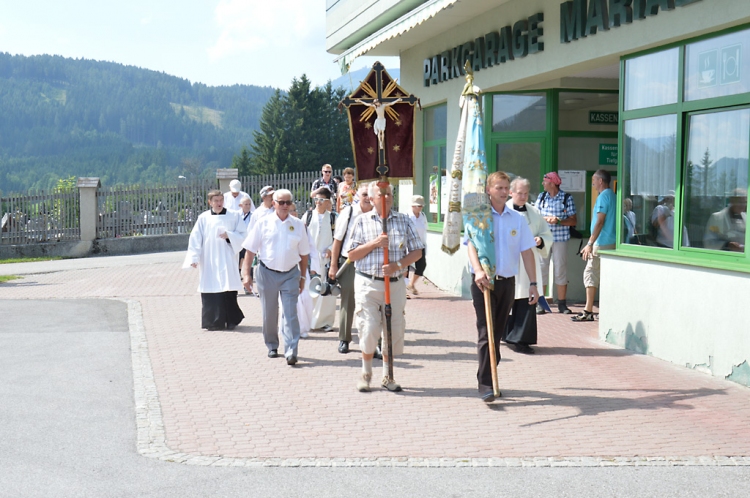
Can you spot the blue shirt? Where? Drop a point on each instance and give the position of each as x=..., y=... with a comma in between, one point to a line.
x=512, y=237
x=606, y=203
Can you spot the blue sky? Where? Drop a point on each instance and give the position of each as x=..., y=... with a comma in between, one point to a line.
x=216, y=42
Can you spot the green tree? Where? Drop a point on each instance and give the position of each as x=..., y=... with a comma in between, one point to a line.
x=242, y=162
x=302, y=130
x=269, y=149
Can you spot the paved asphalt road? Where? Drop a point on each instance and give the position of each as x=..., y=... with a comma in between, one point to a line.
x=67, y=428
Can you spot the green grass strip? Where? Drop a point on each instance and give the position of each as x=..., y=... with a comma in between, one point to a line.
x=28, y=260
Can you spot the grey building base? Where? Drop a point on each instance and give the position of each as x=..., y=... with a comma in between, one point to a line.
x=100, y=247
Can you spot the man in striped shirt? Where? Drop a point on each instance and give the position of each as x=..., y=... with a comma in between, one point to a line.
x=366, y=250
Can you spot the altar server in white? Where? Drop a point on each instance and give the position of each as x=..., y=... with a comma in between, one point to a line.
x=213, y=248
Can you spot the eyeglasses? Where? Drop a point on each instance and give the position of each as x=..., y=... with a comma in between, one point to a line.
x=318, y=200
x=284, y=203
x=327, y=171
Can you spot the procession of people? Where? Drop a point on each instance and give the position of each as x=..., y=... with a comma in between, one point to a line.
x=353, y=242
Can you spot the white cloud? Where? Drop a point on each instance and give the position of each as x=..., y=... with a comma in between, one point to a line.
x=146, y=20
x=250, y=26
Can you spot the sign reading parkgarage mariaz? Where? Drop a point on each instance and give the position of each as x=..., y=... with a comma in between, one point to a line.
x=578, y=19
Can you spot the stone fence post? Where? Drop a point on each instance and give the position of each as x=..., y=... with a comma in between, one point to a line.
x=225, y=176
x=89, y=211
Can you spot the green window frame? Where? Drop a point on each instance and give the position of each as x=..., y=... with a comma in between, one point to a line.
x=433, y=147
x=683, y=109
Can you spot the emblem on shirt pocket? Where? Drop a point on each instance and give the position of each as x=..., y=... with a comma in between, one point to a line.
x=291, y=228
x=513, y=233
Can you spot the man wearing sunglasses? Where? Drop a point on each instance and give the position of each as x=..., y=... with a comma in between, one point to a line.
x=326, y=180
x=281, y=270
x=342, y=236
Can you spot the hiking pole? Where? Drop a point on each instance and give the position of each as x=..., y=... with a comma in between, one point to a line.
x=491, y=337
x=383, y=185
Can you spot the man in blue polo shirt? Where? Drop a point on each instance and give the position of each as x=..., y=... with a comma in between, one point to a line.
x=603, y=235
x=513, y=241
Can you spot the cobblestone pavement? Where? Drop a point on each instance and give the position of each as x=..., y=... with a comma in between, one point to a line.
x=214, y=398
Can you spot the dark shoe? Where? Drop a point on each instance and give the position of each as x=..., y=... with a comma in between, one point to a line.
x=292, y=360
x=524, y=349
x=326, y=328
x=273, y=353
x=562, y=307
x=540, y=310
x=586, y=316
x=378, y=353
x=232, y=326
x=343, y=347
x=488, y=396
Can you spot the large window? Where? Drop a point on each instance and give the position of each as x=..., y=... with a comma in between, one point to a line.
x=685, y=136
x=650, y=149
x=716, y=180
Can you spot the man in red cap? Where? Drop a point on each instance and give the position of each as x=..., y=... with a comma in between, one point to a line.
x=559, y=210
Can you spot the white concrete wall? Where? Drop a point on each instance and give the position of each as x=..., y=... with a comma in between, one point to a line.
x=695, y=317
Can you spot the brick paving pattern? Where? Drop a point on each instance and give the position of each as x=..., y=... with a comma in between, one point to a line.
x=216, y=399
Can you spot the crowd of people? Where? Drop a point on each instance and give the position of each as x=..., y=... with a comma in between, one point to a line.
x=295, y=262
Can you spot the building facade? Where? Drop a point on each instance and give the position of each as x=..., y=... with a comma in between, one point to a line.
x=655, y=91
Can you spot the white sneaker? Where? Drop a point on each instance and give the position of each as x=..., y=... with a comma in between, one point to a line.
x=363, y=384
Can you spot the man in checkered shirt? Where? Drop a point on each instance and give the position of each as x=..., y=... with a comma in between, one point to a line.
x=559, y=210
x=366, y=250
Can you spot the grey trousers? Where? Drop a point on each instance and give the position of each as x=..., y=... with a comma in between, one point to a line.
x=272, y=284
x=346, y=311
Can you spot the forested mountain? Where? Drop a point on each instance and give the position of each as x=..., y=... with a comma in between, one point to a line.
x=74, y=117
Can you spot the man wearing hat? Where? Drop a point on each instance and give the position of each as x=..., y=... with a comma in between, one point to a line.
x=420, y=224
x=266, y=196
x=559, y=210
x=234, y=197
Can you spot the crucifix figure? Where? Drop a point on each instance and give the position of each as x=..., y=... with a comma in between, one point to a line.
x=379, y=127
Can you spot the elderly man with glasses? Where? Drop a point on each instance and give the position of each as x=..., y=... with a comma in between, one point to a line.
x=326, y=180
x=281, y=270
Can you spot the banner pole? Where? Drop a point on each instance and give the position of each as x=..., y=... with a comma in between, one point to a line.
x=491, y=338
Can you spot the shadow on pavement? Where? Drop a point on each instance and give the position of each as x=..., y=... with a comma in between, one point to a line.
x=589, y=405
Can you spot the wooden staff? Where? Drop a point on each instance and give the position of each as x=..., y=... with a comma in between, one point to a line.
x=491, y=337
x=383, y=184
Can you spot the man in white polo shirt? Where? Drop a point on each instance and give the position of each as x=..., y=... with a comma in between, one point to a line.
x=281, y=270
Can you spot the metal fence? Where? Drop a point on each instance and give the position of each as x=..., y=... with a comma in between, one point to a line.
x=133, y=210
x=40, y=217
x=127, y=211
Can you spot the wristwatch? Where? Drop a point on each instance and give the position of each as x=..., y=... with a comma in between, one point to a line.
x=532, y=284
x=400, y=266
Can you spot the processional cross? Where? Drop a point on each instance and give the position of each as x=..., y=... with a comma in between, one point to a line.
x=380, y=101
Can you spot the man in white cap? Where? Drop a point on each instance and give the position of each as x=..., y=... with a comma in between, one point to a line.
x=233, y=198
x=266, y=196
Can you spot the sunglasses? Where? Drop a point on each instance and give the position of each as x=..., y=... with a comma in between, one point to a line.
x=329, y=172
x=284, y=203
x=318, y=200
